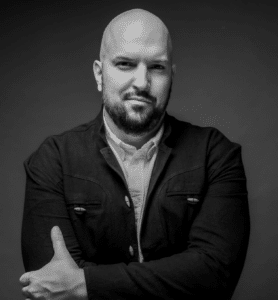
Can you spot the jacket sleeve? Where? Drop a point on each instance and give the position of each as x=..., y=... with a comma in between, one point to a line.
x=44, y=208
x=217, y=243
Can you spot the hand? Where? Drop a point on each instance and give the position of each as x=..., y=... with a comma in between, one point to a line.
x=60, y=279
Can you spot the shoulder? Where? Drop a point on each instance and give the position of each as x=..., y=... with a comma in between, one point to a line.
x=210, y=148
x=191, y=134
x=205, y=146
x=77, y=132
x=55, y=146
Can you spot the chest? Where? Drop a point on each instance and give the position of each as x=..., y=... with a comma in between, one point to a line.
x=100, y=207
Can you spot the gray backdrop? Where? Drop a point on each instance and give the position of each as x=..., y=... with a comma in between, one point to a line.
x=226, y=55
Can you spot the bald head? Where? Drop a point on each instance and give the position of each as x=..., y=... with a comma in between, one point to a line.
x=137, y=27
x=135, y=74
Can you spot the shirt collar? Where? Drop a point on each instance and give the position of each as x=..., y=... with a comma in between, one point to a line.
x=123, y=149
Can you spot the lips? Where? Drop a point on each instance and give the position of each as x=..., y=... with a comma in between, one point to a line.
x=140, y=99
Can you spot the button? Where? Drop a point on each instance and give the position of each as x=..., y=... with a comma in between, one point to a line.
x=127, y=201
x=79, y=210
x=193, y=200
x=131, y=251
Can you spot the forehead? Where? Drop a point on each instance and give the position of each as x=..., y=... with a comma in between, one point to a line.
x=138, y=39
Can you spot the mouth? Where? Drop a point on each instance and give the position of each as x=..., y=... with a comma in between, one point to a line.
x=139, y=99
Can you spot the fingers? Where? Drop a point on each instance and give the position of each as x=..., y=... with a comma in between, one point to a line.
x=60, y=249
x=25, y=279
x=25, y=292
x=57, y=239
x=56, y=234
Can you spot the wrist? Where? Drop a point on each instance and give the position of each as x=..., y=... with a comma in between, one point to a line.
x=80, y=289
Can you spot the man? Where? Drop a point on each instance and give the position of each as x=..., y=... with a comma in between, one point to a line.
x=137, y=203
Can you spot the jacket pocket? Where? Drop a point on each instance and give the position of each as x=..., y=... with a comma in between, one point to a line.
x=178, y=211
x=89, y=219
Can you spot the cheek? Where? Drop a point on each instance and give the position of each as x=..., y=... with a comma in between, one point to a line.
x=116, y=80
x=161, y=86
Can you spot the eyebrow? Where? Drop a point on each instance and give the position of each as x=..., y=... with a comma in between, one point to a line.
x=126, y=58
x=117, y=58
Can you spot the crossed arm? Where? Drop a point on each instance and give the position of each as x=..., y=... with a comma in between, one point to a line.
x=211, y=264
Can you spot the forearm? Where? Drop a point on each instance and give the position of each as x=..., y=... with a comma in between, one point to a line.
x=167, y=278
x=210, y=266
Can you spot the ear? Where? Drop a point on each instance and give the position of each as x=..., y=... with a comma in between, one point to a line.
x=97, y=68
x=174, y=69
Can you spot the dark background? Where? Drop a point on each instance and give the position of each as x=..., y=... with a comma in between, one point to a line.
x=226, y=56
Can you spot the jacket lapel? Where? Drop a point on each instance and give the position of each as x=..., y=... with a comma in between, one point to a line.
x=105, y=150
x=161, y=159
x=111, y=160
x=163, y=154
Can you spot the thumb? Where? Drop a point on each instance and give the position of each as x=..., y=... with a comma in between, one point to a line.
x=25, y=279
x=59, y=246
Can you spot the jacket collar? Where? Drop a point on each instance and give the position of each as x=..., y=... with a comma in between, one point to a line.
x=164, y=150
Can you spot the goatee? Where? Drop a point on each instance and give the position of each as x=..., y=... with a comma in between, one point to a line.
x=149, y=117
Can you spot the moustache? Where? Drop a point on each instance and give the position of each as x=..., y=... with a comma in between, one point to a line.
x=142, y=94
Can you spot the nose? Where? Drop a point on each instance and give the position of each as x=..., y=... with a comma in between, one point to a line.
x=141, y=78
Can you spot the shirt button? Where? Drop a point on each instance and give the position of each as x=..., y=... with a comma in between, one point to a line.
x=127, y=201
x=131, y=251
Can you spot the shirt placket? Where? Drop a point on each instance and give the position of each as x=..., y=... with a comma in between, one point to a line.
x=136, y=186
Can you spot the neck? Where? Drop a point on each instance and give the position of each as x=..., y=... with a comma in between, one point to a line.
x=135, y=140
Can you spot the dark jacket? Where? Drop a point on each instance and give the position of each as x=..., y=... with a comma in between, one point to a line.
x=195, y=227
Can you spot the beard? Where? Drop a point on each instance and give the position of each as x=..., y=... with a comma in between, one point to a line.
x=148, y=117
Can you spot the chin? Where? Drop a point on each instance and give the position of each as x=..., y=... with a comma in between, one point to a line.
x=139, y=110
x=138, y=116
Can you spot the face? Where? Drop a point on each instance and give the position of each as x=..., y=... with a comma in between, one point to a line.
x=136, y=82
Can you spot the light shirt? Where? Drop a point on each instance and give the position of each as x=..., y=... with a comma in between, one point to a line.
x=137, y=166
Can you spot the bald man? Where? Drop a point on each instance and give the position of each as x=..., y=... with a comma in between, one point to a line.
x=134, y=203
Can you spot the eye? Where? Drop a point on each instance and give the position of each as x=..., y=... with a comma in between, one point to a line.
x=125, y=65
x=157, y=67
